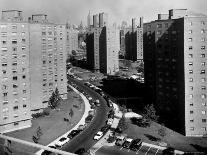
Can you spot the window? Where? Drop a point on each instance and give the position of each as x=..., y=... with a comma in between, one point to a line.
x=14, y=48
x=202, y=55
x=203, y=39
x=14, y=26
x=23, y=47
x=202, y=63
x=23, y=33
x=24, y=76
x=5, y=102
x=14, y=33
x=191, y=104
x=191, y=96
x=16, y=123
x=190, y=63
x=14, y=78
x=5, y=117
x=190, y=71
x=23, y=26
x=192, y=120
x=190, y=47
x=14, y=64
x=203, y=87
x=15, y=107
x=191, y=112
x=15, y=86
x=43, y=33
x=202, y=23
x=191, y=87
x=203, y=128
x=202, y=71
x=203, y=79
x=4, y=49
x=3, y=26
x=204, y=120
x=190, y=39
x=203, y=47
x=203, y=112
x=202, y=31
x=14, y=41
x=203, y=96
x=24, y=91
x=190, y=31
x=203, y=103
x=191, y=23
x=190, y=79
x=190, y=55
x=191, y=128
x=23, y=40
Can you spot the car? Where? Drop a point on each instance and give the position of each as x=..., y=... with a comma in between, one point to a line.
x=168, y=151
x=136, y=144
x=46, y=152
x=62, y=141
x=90, y=98
x=105, y=128
x=120, y=140
x=97, y=103
x=98, y=135
x=127, y=143
x=73, y=133
x=109, y=103
x=109, y=121
x=80, y=151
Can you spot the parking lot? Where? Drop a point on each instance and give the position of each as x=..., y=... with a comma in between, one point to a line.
x=116, y=150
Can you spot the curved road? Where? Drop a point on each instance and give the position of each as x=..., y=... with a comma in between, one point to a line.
x=85, y=138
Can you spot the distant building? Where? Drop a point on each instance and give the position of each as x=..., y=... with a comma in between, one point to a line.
x=131, y=41
x=102, y=45
x=33, y=57
x=89, y=20
x=175, y=69
x=71, y=40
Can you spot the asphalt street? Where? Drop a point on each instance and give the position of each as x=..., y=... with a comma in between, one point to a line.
x=85, y=138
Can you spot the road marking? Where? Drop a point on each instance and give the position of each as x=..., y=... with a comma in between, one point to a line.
x=156, y=151
x=139, y=149
x=147, y=150
x=121, y=148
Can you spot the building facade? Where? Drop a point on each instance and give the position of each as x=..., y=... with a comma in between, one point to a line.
x=174, y=63
x=102, y=43
x=71, y=40
x=131, y=41
x=33, y=64
x=15, y=83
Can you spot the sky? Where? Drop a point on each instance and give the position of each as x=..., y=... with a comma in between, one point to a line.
x=75, y=11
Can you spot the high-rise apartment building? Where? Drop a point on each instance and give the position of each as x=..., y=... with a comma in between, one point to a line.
x=47, y=60
x=15, y=107
x=89, y=20
x=175, y=69
x=131, y=41
x=33, y=60
x=103, y=46
x=71, y=40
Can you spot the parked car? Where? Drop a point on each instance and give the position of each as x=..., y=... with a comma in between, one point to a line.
x=136, y=144
x=73, y=133
x=98, y=135
x=105, y=128
x=127, y=143
x=120, y=140
x=62, y=141
x=168, y=151
x=97, y=103
x=109, y=121
x=80, y=151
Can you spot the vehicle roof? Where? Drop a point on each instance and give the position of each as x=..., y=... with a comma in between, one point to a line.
x=129, y=139
x=99, y=132
x=120, y=137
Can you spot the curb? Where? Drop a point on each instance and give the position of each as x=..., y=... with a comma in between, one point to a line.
x=82, y=120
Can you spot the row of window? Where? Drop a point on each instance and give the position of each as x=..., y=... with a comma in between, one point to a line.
x=201, y=55
x=203, y=96
x=5, y=49
x=202, y=87
x=202, y=79
x=203, y=104
x=191, y=47
x=6, y=110
x=4, y=42
x=201, y=72
x=12, y=26
x=193, y=128
x=13, y=71
x=191, y=39
x=202, y=120
x=203, y=112
x=191, y=63
x=13, y=64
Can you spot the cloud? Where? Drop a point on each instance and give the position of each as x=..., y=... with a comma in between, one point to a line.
x=60, y=11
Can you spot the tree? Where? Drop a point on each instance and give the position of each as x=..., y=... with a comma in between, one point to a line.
x=150, y=113
x=71, y=113
x=54, y=99
x=39, y=132
x=162, y=131
x=123, y=125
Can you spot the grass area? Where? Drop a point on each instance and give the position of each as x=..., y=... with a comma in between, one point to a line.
x=52, y=126
x=172, y=138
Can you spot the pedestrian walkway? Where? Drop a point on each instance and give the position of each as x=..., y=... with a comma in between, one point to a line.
x=81, y=122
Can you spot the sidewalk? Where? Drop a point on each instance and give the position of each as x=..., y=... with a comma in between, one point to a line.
x=81, y=122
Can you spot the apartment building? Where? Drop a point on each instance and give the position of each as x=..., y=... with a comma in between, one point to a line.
x=131, y=41
x=47, y=60
x=102, y=43
x=33, y=65
x=71, y=40
x=175, y=69
x=15, y=82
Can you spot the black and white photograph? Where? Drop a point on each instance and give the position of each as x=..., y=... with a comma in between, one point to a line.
x=103, y=77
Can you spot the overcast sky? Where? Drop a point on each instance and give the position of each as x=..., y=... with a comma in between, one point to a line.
x=60, y=11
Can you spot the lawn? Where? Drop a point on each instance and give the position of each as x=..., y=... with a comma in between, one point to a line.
x=52, y=126
x=172, y=138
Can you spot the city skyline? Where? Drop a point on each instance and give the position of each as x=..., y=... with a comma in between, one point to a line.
x=118, y=10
